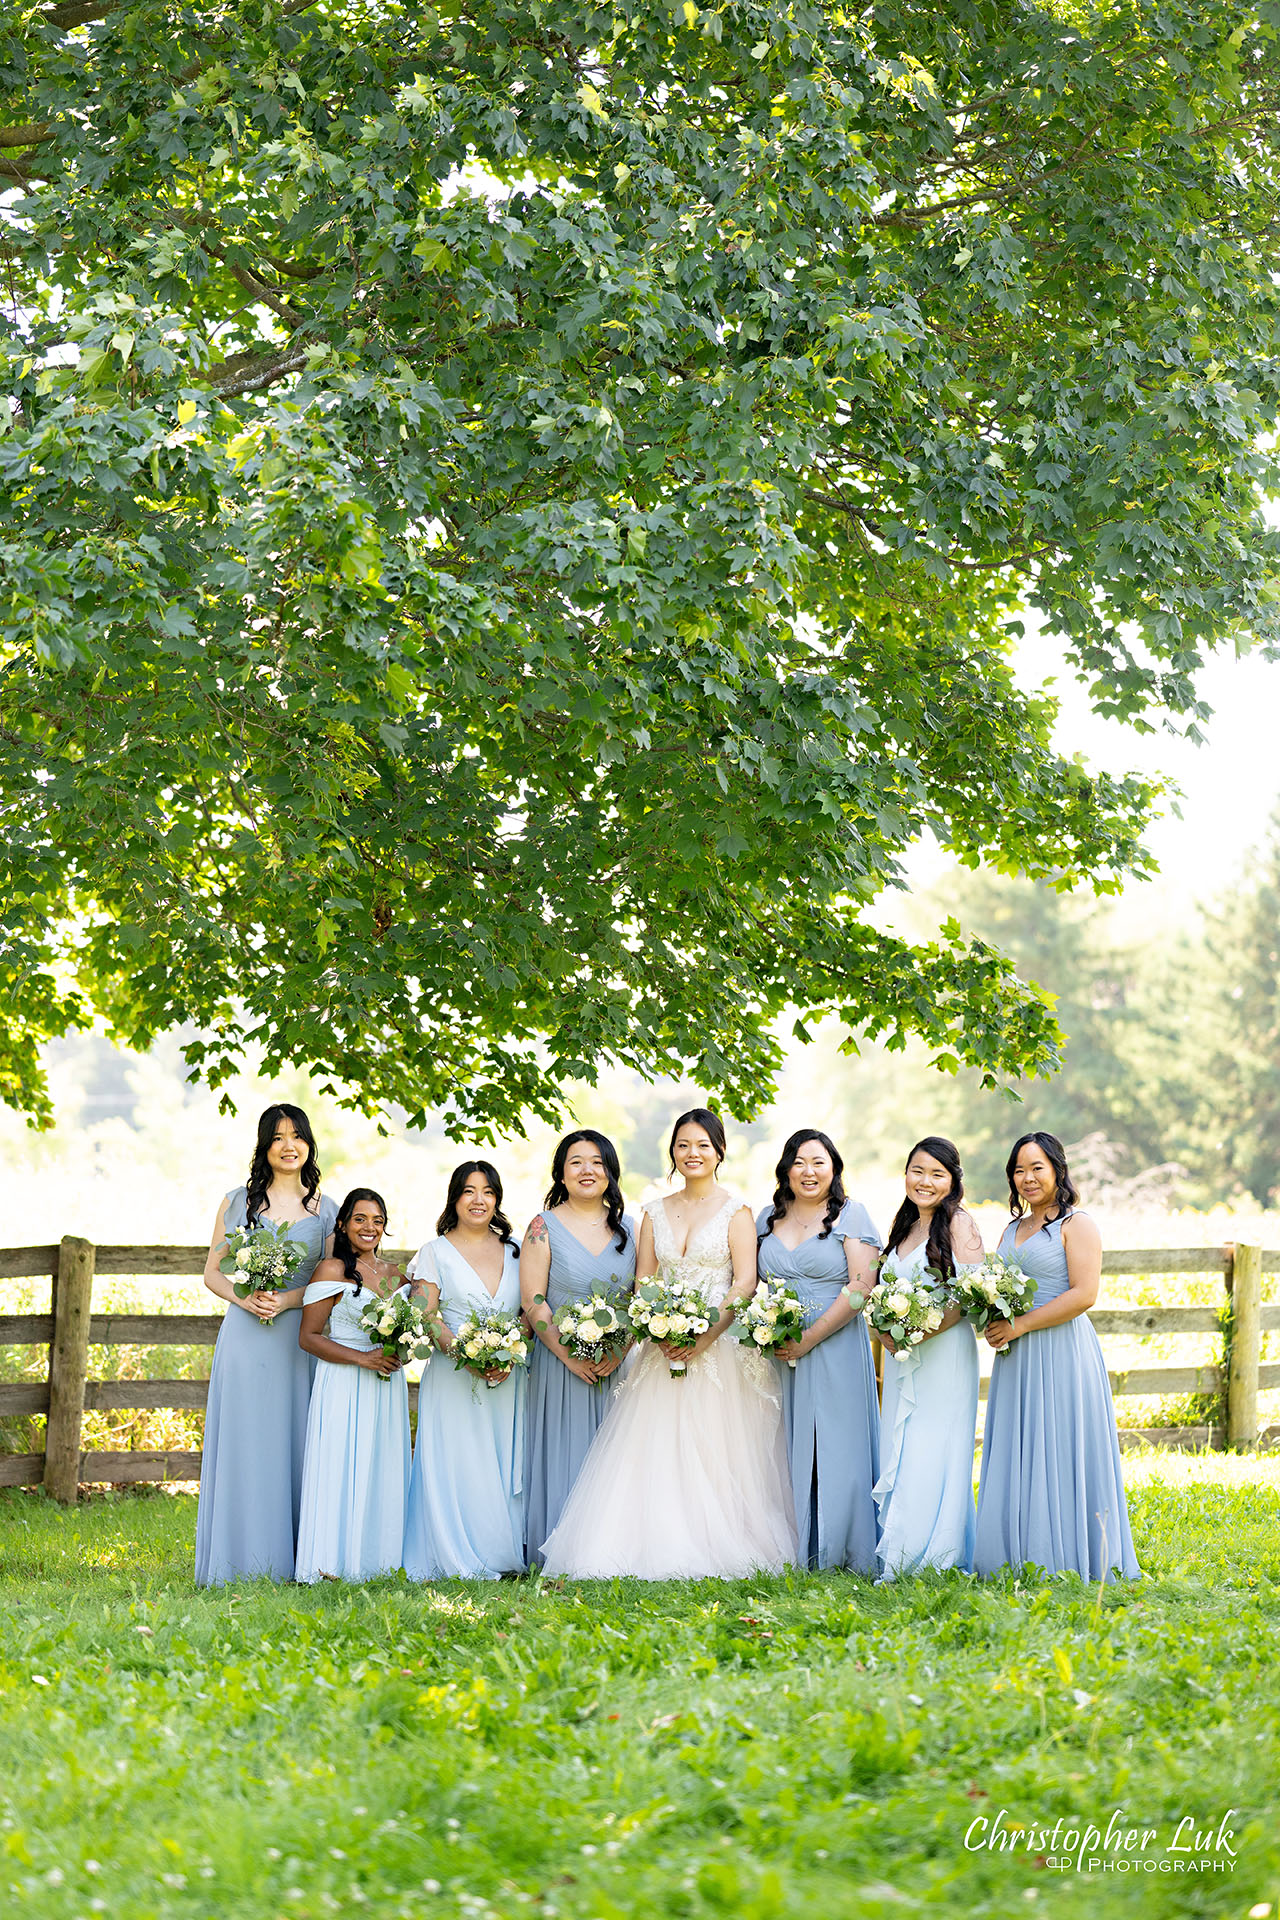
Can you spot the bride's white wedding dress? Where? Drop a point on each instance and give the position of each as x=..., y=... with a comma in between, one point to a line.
x=686, y=1477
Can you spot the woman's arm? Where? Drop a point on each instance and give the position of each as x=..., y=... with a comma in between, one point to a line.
x=1082, y=1244
x=441, y=1333
x=312, y=1337
x=263, y=1306
x=646, y=1251
x=535, y=1273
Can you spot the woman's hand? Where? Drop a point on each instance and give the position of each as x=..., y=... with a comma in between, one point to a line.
x=494, y=1376
x=582, y=1370
x=380, y=1362
x=796, y=1349
x=610, y=1364
x=1001, y=1332
x=263, y=1306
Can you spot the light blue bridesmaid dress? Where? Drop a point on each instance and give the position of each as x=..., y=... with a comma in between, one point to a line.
x=355, y=1478
x=829, y=1400
x=928, y=1416
x=255, y=1428
x=1052, y=1492
x=564, y=1412
x=466, y=1492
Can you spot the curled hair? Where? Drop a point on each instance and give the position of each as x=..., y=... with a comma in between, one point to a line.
x=259, y=1168
x=457, y=1181
x=711, y=1125
x=782, y=1194
x=342, y=1247
x=938, y=1253
x=614, y=1204
x=1065, y=1192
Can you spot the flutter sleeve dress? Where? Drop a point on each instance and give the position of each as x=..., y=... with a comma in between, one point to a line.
x=466, y=1492
x=255, y=1428
x=564, y=1413
x=355, y=1477
x=829, y=1400
x=1051, y=1493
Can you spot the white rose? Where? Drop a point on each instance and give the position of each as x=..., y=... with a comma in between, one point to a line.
x=761, y=1336
x=898, y=1303
x=659, y=1325
x=934, y=1320
x=589, y=1331
x=915, y=1338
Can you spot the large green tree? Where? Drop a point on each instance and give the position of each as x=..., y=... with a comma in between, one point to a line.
x=512, y=510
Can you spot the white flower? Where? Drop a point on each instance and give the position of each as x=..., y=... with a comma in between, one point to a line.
x=761, y=1336
x=659, y=1325
x=589, y=1331
x=933, y=1320
x=898, y=1303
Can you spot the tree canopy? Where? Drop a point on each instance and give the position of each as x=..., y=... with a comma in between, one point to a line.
x=512, y=511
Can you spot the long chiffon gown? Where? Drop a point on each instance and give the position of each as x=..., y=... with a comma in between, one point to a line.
x=355, y=1478
x=563, y=1413
x=686, y=1477
x=928, y=1413
x=829, y=1400
x=255, y=1428
x=1051, y=1492
x=466, y=1492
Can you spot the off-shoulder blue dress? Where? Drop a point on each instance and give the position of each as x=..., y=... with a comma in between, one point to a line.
x=829, y=1401
x=563, y=1412
x=255, y=1428
x=466, y=1492
x=1051, y=1492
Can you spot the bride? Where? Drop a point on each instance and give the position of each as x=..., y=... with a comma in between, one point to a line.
x=687, y=1476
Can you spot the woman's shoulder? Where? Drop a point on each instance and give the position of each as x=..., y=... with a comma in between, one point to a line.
x=328, y=1280
x=764, y=1220
x=853, y=1222
x=321, y=1205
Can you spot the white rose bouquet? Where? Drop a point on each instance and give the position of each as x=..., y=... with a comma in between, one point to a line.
x=997, y=1290
x=490, y=1341
x=904, y=1310
x=397, y=1325
x=262, y=1259
x=772, y=1317
x=670, y=1310
x=594, y=1328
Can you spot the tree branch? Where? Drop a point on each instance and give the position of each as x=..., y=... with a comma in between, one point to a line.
x=252, y=372
x=30, y=135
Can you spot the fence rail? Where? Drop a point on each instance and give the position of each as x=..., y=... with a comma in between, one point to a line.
x=71, y=1328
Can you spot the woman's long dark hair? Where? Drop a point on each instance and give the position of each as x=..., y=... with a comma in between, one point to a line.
x=457, y=1181
x=782, y=1194
x=614, y=1204
x=712, y=1125
x=938, y=1252
x=342, y=1247
x=259, y=1170
x=1065, y=1192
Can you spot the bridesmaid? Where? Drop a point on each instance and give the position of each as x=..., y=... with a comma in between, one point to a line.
x=929, y=1408
x=821, y=1242
x=355, y=1477
x=466, y=1492
x=255, y=1425
x=1051, y=1492
x=580, y=1240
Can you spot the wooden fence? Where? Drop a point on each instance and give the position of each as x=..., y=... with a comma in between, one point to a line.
x=71, y=1328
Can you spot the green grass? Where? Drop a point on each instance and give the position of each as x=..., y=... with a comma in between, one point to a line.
x=814, y=1747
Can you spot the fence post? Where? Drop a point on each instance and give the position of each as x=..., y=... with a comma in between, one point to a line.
x=68, y=1365
x=1246, y=1346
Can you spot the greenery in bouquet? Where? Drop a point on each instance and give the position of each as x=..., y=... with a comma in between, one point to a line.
x=773, y=1317
x=397, y=1325
x=671, y=1311
x=996, y=1290
x=903, y=1310
x=262, y=1259
x=594, y=1328
x=489, y=1343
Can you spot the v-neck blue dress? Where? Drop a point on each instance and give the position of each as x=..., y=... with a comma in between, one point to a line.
x=255, y=1428
x=564, y=1413
x=829, y=1400
x=466, y=1492
x=1052, y=1489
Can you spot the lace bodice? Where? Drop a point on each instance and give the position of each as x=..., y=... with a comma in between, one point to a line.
x=344, y=1319
x=706, y=1260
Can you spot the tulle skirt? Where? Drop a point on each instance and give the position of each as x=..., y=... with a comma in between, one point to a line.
x=686, y=1478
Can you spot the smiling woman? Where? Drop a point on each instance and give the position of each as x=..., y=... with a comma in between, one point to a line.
x=255, y=1427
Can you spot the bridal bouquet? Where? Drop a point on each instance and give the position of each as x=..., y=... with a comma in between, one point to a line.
x=904, y=1310
x=772, y=1317
x=595, y=1328
x=490, y=1341
x=262, y=1259
x=397, y=1325
x=670, y=1309
x=997, y=1290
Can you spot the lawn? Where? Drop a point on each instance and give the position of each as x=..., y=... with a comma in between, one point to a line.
x=817, y=1747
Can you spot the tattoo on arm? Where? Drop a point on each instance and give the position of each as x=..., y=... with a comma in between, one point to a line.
x=537, y=1231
